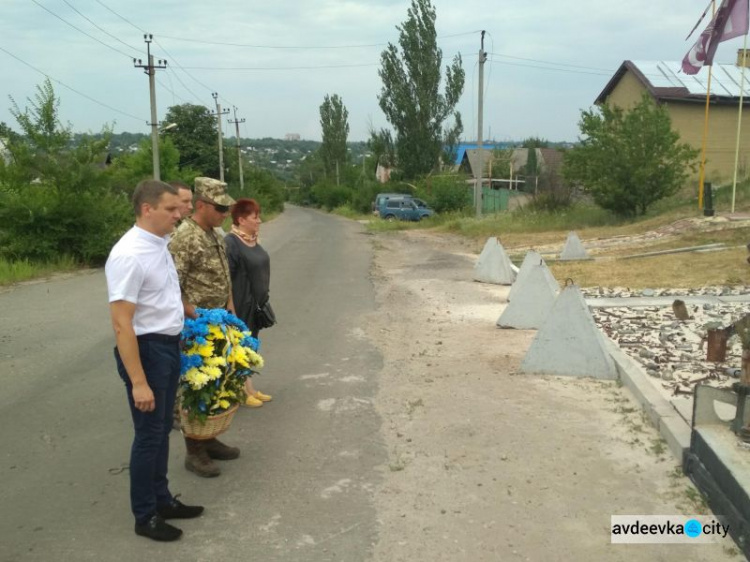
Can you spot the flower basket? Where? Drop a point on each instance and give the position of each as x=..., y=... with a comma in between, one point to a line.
x=212, y=427
x=218, y=354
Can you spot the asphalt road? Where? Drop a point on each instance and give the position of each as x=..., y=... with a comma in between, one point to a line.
x=301, y=489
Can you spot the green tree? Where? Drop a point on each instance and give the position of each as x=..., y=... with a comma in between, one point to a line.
x=335, y=125
x=532, y=168
x=627, y=160
x=195, y=137
x=54, y=195
x=130, y=168
x=535, y=142
x=501, y=162
x=381, y=145
x=411, y=98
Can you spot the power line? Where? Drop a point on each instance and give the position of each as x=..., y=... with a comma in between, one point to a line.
x=550, y=68
x=99, y=27
x=184, y=86
x=182, y=67
x=170, y=89
x=119, y=16
x=280, y=67
x=81, y=30
x=551, y=62
x=306, y=47
x=71, y=88
x=174, y=60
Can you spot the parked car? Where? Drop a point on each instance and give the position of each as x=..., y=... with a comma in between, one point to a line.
x=380, y=198
x=403, y=208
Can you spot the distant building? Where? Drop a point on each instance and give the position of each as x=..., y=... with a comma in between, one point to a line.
x=383, y=174
x=684, y=97
x=292, y=137
x=4, y=152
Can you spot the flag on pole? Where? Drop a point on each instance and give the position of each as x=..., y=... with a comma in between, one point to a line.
x=730, y=21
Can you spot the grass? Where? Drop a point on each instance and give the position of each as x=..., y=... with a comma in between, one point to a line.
x=14, y=271
x=674, y=270
x=525, y=228
x=349, y=213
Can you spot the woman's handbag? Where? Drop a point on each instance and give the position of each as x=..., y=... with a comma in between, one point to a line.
x=264, y=316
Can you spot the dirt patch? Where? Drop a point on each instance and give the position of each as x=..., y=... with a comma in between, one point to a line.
x=488, y=464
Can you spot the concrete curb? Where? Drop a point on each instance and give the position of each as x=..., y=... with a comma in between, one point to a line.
x=667, y=420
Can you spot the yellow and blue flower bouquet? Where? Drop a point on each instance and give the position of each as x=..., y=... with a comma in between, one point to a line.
x=218, y=354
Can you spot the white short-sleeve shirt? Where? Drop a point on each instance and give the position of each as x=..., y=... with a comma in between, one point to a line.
x=140, y=270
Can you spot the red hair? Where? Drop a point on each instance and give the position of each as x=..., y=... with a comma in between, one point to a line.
x=244, y=207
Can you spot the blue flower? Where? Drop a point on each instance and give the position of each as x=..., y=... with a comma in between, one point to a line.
x=251, y=342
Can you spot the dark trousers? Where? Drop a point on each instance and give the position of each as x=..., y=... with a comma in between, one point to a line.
x=149, y=455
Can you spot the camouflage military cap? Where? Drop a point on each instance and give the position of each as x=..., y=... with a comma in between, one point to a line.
x=213, y=190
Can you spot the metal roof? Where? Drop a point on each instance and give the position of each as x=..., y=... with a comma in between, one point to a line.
x=725, y=78
x=665, y=80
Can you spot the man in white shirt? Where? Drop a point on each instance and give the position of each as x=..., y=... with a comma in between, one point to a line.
x=147, y=317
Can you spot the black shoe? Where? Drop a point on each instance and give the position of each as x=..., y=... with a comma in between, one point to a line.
x=158, y=529
x=178, y=510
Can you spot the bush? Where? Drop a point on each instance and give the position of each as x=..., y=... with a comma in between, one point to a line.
x=55, y=198
x=331, y=196
x=262, y=186
x=445, y=193
x=40, y=223
x=628, y=160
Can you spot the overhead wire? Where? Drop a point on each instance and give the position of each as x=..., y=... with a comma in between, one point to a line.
x=100, y=28
x=119, y=16
x=495, y=61
x=176, y=62
x=292, y=47
x=66, y=22
x=549, y=62
x=167, y=53
x=169, y=69
x=63, y=84
x=311, y=67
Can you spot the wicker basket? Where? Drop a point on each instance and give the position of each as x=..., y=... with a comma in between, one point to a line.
x=214, y=425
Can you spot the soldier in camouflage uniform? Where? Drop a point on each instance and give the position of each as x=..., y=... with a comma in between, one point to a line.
x=201, y=262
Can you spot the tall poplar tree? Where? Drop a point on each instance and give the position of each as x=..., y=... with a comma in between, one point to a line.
x=411, y=97
x=334, y=120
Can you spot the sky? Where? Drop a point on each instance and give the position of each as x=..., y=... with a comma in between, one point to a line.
x=276, y=61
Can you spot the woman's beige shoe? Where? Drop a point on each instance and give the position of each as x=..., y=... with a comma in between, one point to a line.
x=253, y=402
x=262, y=397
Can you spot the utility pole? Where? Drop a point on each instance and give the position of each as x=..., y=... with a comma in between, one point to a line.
x=480, y=171
x=150, y=69
x=239, y=152
x=218, y=114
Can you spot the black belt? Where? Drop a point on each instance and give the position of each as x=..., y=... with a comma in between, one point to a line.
x=159, y=337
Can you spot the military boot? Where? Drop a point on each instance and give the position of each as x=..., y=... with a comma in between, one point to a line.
x=197, y=459
x=219, y=451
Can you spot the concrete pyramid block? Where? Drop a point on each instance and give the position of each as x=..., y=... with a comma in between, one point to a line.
x=532, y=300
x=493, y=265
x=531, y=259
x=569, y=342
x=573, y=249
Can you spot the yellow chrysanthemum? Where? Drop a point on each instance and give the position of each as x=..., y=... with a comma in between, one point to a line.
x=196, y=379
x=255, y=358
x=215, y=362
x=212, y=373
x=206, y=350
x=215, y=333
x=234, y=336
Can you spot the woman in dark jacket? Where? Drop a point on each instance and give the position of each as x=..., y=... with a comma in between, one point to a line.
x=250, y=269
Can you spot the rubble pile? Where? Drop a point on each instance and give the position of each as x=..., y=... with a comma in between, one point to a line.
x=671, y=350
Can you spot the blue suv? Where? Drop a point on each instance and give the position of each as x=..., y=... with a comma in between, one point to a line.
x=403, y=208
